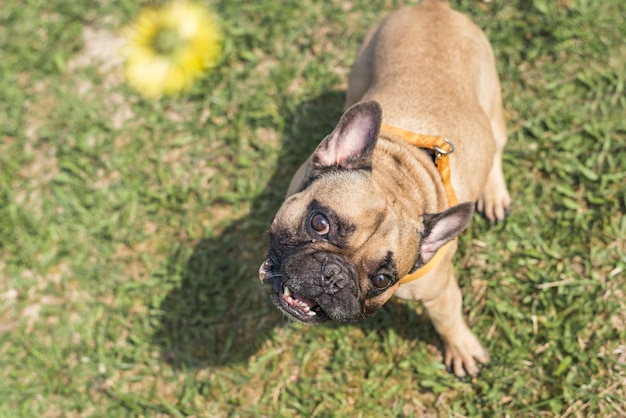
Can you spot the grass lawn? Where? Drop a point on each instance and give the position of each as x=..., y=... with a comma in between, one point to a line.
x=131, y=230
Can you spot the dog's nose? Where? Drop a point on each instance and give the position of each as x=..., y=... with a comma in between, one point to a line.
x=333, y=277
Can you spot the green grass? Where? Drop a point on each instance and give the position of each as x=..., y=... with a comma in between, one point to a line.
x=131, y=230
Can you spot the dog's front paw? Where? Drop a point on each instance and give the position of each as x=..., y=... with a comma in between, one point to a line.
x=464, y=353
x=495, y=202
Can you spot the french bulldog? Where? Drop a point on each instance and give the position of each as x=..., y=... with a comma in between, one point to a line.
x=369, y=208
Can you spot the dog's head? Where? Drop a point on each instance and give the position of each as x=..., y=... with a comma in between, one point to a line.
x=339, y=247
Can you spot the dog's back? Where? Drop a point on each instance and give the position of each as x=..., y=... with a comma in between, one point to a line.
x=433, y=71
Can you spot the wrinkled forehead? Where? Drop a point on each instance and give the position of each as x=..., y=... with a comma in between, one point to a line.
x=378, y=230
x=349, y=193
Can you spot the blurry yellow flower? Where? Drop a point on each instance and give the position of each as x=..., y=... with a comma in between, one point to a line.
x=167, y=49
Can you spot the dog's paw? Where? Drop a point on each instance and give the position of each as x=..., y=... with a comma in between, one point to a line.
x=464, y=353
x=495, y=202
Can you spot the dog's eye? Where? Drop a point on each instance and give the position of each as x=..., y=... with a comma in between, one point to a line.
x=381, y=281
x=320, y=224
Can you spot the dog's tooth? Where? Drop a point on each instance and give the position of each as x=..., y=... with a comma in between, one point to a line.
x=286, y=291
x=311, y=313
x=264, y=271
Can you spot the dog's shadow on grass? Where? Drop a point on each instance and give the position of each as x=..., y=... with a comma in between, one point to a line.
x=220, y=313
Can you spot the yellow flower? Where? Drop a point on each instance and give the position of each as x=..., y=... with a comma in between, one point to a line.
x=167, y=49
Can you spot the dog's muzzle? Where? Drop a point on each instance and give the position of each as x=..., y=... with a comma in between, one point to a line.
x=314, y=288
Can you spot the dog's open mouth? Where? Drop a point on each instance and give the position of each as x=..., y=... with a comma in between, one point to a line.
x=297, y=305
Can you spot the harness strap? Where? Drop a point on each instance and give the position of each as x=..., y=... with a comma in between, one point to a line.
x=442, y=148
x=439, y=144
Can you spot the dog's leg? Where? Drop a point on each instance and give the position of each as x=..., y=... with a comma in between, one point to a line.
x=462, y=348
x=361, y=73
x=495, y=201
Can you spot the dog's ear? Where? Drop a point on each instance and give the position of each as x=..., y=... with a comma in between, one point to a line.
x=350, y=145
x=441, y=228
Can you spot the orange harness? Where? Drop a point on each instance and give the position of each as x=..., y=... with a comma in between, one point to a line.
x=442, y=148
